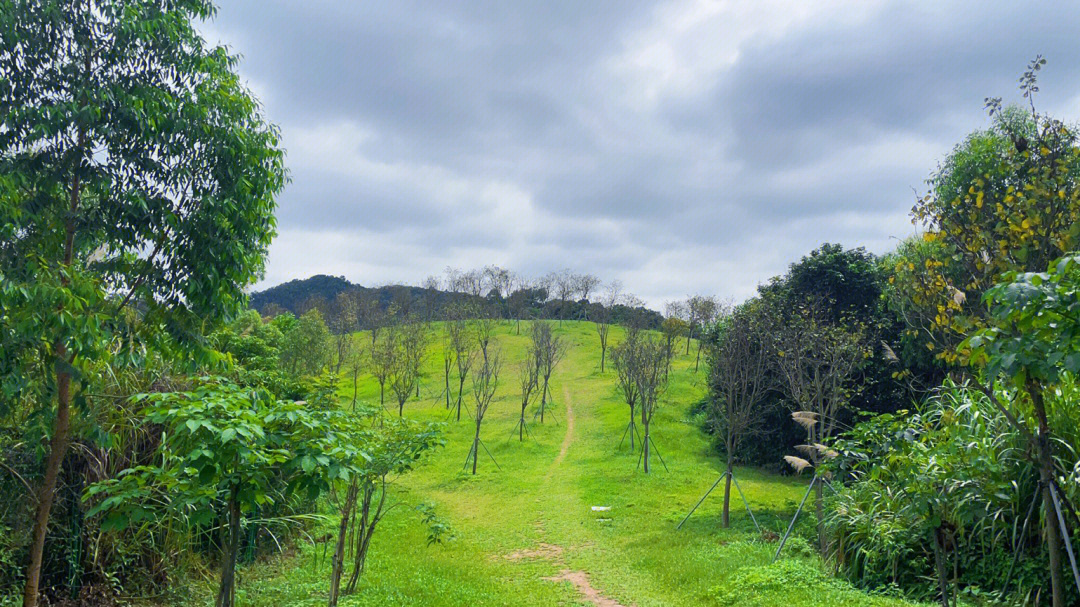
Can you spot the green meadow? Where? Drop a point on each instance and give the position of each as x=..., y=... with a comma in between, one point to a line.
x=525, y=531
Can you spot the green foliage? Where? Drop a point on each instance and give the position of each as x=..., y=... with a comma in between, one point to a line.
x=1034, y=331
x=952, y=465
x=306, y=348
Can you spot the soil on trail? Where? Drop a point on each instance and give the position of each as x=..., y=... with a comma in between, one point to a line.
x=554, y=553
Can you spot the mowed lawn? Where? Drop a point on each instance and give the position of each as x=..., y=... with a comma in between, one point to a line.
x=525, y=533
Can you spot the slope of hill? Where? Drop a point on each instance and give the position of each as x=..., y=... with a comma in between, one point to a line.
x=525, y=528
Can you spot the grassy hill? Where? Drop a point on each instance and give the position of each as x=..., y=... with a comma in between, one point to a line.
x=525, y=532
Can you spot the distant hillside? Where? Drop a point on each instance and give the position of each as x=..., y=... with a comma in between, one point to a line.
x=320, y=291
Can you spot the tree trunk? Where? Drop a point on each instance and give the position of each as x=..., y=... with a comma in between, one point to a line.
x=543, y=400
x=446, y=376
x=725, y=519
x=521, y=425
x=382, y=394
x=476, y=447
x=226, y=591
x=57, y=450
x=401, y=408
x=689, y=334
x=603, y=351
x=460, y=388
x=697, y=361
x=58, y=444
x=645, y=445
x=939, y=560
x=338, y=566
x=1046, y=476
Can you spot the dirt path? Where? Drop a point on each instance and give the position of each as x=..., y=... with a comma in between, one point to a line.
x=554, y=553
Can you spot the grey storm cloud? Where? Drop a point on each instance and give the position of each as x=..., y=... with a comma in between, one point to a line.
x=680, y=147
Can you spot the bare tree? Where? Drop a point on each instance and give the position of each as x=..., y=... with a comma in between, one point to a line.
x=565, y=284
x=431, y=297
x=529, y=380
x=550, y=349
x=643, y=361
x=484, y=329
x=517, y=300
x=816, y=360
x=741, y=378
x=622, y=356
x=384, y=358
x=584, y=284
x=461, y=343
x=484, y=383
x=409, y=347
x=612, y=297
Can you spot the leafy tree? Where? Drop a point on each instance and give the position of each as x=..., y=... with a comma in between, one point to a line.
x=307, y=348
x=224, y=445
x=389, y=450
x=484, y=384
x=549, y=350
x=136, y=173
x=1005, y=200
x=1032, y=340
x=672, y=329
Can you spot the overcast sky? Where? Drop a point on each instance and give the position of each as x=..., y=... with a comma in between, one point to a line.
x=680, y=147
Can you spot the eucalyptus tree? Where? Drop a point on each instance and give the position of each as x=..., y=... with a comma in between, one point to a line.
x=549, y=350
x=484, y=384
x=584, y=285
x=136, y=174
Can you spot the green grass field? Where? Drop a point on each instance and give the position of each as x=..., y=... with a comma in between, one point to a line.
x=525, y=534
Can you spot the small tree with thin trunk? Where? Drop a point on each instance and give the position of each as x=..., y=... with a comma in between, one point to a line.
x=622, y=358
x=343, y=322
x=410, y=347
x=484, y=329
x=741, y=378
x=461, y=343
x=354, y=364
x=612, y=297
x=485, y=382
x=529, y=380
x=651, y=377
x=816, y=361
x=384, y=354
x=549, y=350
